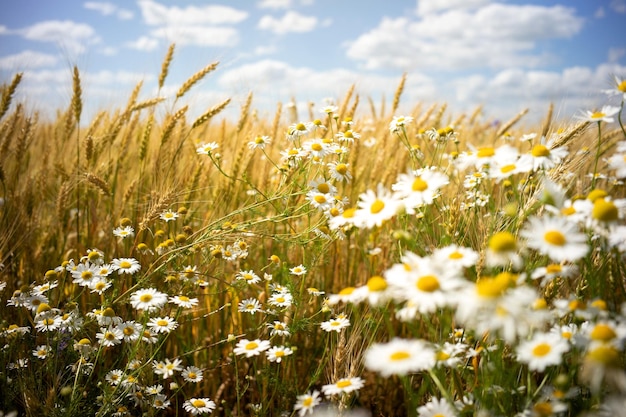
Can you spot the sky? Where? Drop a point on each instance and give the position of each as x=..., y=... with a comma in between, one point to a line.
x=505, y=55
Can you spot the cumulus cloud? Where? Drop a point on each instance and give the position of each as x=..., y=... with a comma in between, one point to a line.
x=198, y=35
x=494, y=35
x=108, y=9
x=618, y=6
x=290, y=22
x=144, y=43
x=68, y=34
x=425, y=7
x=27, y=59
x=274, y=4
x=156, y=14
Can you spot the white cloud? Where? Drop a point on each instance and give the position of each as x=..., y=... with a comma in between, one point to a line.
x=618, y=6
x=265, y=50
x=290, y=22
x=68, y=34
x=425, y=7
x=274, y=4
x=198, y=35
x=156, y=14
x=27, y=59
x=144, y=43
x=496, y=36
x=615, y=54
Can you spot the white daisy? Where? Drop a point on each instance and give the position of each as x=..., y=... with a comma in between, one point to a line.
x=148, y=299
x=343, y=386
x=555, y=237
x=126, y=265
x=251, y=348
x=400, y=357
x=197, y=406
x=543, y=350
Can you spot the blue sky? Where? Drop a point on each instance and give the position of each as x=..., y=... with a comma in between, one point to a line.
x=503, y=54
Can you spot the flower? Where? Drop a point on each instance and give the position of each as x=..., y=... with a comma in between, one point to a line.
x=437, y=407
x=192, y=374
x=299, y=129
x=347, y=136
x=126, y=265
x=619, y=89
x=197, y=406
x=307, y=402
x=339, y=171
x=248, y=276
x=124, y=232
x=48, y=323
x=604, y=115
x=375, y=207
x=207, y=148
x=278, y=328
x=184, y=301
x=249, y=305
x=110, y=336
x=260, y=142
x=148, y=299
x=160, y=402
x=398, y=123
x=162, y=324
x=277, y=353
x=545, y=155
x=42, y=351
x=251, y=348
x=280, y=299
x=84, y=273
x=618, y=163
x=343, y=386
x=131, y=330
x=399, y=357
x=419, y=187
x=543, y=350
x=555, y=237
x=298, y=270
x=336, y=324
x=166, y=369
x=316, y=148
x=168, y=216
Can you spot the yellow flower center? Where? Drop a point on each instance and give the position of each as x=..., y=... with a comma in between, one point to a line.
x=507, y=168
x=442, y=356
x=399, y=356
x=125, y=265
x=307, y=401
x=301, y=127
x=259, y=140
x=455, y=255
x=554, y=269
x=323, y=187
x=280, y=299
x=428, y=283
x=347, y=291
x=603, y=333
x=162, y=322
x=317, y=147
x=349, y=213
x=540, y=150
x=86, y=275
x=605, y=211
x=599, y=304
x=596, y=194
x=279, y=353
x=568, y=211
x=419, y=184
x=486, y=152
x=109, y=336
x=145, y=298
x=192, y=375
x=198, y=403
x=341, y=169
x=183, y=298
x=348, y=134
x=502, y=242
x=376, y=283
x=606, y=355
x=344, y=383
x=251, y=345
x=319, y=198
x=542, y=349
x=494, y=287
x=577, y=305
x=128, y=331
x=597, y=115
x=554, y=237
x=543, y=409
x=622, y=86
x=377, y=206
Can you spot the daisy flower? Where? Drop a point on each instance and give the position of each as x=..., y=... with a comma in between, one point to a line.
x=100, y=285
x=248, y=276
x=339, y=171
x=502, y=250
x=277, y=353
x=419, y=188
x=192, y=374
x=124, y=232
x=604, y=115
x=148, y=299
x=375, y=207
x=543, y=350
x=617, y=162
x=619, y=89
x=458, y=256
x=84, y=273
x=42, y=351
x=280, y=299
x=48, y=323
x=400, y=357
x=398, y=123
x=550, y=272
x=347, y=136
x=437, y=407
x=298, y=270
x=126, y=265
x=343, y=386
x=110, y=336
x=305, y=403
x=197, y=406
x=298, y=129
x=162, y=324
x=316, y=148
x=249, y=305
x=114, y=377
x=207, y=148
x=555, y=237
x=160, y=402
x=546, y=156
x=260, y=142
x=321, y=201
x=251, y=348
x=166, y=369
x=131, y=330
x=183, y=301
x=278, y=328
x=336, y=324
x=330, y=109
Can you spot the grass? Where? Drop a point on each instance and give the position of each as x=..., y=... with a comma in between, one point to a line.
x=220, y=213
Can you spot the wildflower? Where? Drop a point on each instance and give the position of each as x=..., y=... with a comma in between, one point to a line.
x=347, y=136
x=110, y=336
x=555, y=237
x=343, y=386
x=207, y=148
x=419, y=188
x=330, y=109
x=502, y=249
x=316, y=148
x=298, y=270
x=278, y=328
x=148, y=299
x=260, y=142
x=48, y=323
x=320, y=201
x=374, y=208
x=619, y=89
x=160, y=402
x=34, y=301
x=398, y=123
x=399, y=357
x=149, y=337
x=545, y=155
x=131, y=330
x=100, y=285
x=197, y=406
x=124, y=232
x=126, y=265
x=248, y=276
x=114, y=377
x=339, y=171
x=249, y=305
x=299, y=129
x=251, y=348
x=42, y=351
x=166, y=369
x=437, y=407
x=552, y=271
x=458, y=256
x=307, y=402
x=38, y=289
x=336, y=324
x=293, y=156
x=168, y=216
x=543, y=350
x=84, y=273
x=192, y=374
x=604, y=115
x=183, y=301
x=277, y=353
x=618, y=163
x=508, y=164
x=162, y=324
x=314, y=292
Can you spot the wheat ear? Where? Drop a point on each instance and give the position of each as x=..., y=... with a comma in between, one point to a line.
x=7, y=93
x=195, y=78
x=505, y=128
x=210, y=113
x=396, y=97
x=165, y=67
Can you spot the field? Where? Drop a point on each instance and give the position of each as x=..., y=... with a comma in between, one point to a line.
x=361, y=262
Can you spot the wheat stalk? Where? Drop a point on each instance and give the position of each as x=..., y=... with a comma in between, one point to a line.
x=145, y=138
x=77, y=103
x=7, y=93
x=99, y=183
x=147, y=103
x=505, y=127
x=210, y=113
x=165, y=66
x=171, y=123
x=61, y=203
x=88, y=147
x=344, y=103
x=195, y=78
x=245, y=109
x=396, y=97
x=546, y=124
x=276, y=121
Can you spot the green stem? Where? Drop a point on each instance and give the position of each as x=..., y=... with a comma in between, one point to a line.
x=595, y=164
